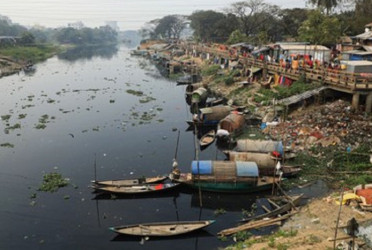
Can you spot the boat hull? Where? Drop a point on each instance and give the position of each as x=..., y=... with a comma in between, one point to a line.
x=162, y=228
x=130, y=182
x=248, y=186
x=141, y=189
x=226, y=187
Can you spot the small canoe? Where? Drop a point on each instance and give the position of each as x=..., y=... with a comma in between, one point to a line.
x=130, y=182
x=208, y=138
x=161, y=228
x=137, y=189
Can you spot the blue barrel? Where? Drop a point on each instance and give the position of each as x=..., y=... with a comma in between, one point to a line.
x=246, y=169
x=205, y=167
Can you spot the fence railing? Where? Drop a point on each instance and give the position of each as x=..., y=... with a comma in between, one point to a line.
x=338, y=78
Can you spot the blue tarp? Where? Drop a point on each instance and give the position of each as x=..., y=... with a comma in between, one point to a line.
x=205, y=167
x=246, y=169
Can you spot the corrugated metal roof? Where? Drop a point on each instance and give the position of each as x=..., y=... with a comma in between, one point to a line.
x=357, y=63
x=364, y=36
x=296, y=98
x=358, y=52
x=302, y=47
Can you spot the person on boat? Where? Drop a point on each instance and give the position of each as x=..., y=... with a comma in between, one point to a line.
x=176, y=173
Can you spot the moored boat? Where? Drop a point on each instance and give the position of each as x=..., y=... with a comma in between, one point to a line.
x=162, y=228
x=208, y=138
x=225, y=176
x=130, y=182
x=137, y=189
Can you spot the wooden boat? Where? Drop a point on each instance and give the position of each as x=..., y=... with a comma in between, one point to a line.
x=225, y=176
x=130, y=182
x=162, y=228
x=259, y=146
x=208, y=138
x=137, y=189
x=212, y=115
x=289, y=203
x=365, y=194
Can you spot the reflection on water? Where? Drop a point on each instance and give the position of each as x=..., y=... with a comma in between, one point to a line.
x=88, y=52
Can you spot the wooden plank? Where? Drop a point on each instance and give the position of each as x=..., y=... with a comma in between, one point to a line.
x=254, y=225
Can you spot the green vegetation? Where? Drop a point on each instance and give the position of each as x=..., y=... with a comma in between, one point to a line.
x=219, y=211
x=134, y=92
x=15, y=126
x=210, y=70
x=245, y=240
x=7, y=145
x=265, y=96
x=34, y=53
x=43, y=120
x=147, y=99
x=52, y=182
x=229, y=78
x=5, y=117
x=331, y=165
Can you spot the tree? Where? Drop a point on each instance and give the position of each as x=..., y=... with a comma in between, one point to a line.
x=328, y=5
x=237, y=37
x=250, y=15
x=320, y=29
x=206, y=25
x=363, y=14
x=170, y=27
x=291, y=20
x=27, y=38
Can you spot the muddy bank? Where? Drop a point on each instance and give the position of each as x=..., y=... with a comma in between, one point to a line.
x=9, y=67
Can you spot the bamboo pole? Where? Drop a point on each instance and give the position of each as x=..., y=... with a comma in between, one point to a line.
x=338, y=217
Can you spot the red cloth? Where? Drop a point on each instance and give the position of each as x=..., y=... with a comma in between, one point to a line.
x=366, y=193
x=275, y=153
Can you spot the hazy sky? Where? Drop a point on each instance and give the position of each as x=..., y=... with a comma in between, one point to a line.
x=130, y=14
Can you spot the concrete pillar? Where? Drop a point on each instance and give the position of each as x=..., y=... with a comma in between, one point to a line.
x=355, y=101
x=369, y=103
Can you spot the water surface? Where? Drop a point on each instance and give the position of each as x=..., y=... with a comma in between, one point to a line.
x=84, y=100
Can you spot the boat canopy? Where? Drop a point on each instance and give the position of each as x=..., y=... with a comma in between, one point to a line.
x=201, y=167
x=227, y=169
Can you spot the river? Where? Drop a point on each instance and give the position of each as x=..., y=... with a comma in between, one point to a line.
x=75, y=110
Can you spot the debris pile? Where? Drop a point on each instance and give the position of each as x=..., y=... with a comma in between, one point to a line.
x=330, y=124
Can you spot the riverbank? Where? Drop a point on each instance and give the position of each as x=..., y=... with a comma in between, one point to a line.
x=14, y=59
x=313, y=227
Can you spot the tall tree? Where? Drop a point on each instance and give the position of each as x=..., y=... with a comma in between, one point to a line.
x=320, y=29
x=170, y=27
x=363, y=14
x=206, y=25
x=291, y=20
x=254, y=16
x=328, y=5
x=27, y=38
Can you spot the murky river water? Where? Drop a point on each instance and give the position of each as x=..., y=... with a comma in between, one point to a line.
x=82, y=100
